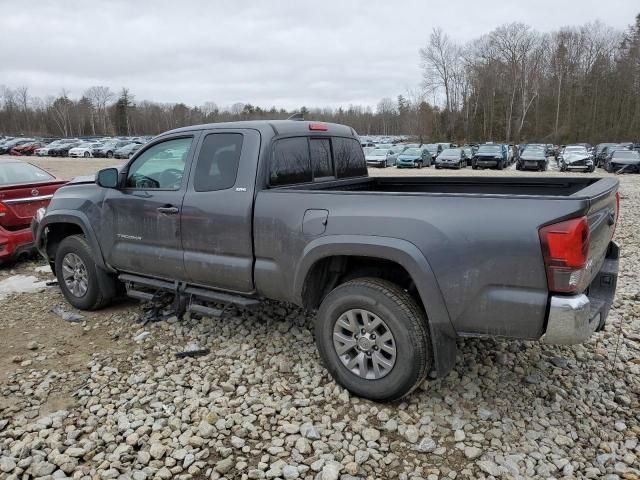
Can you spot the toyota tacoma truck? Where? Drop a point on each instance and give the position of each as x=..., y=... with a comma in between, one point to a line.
x=397, y=268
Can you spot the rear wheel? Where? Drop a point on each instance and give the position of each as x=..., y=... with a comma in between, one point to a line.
x=87, y=154
x=373, y=338
x=109, y=154
x=83, y=283
x=419, y=165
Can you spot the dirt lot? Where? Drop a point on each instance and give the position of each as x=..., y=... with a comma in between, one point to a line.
x=106, y=397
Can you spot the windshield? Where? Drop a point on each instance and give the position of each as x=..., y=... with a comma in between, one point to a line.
x=379, y=152
x=15, y=173
x=432, y=147
x=450, y=152
x=489, y=149
x=537, y=151
x=412, y=151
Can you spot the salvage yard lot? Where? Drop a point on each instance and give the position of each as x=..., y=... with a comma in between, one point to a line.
x=86, y=399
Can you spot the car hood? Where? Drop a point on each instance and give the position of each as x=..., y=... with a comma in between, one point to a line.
x=374, y=157
x=626, y=161
x=488, y=155
x=576, y=157
x=408, y=157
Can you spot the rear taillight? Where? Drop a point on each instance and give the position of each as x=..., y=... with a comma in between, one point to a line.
x=565, y=248
x=3, y=209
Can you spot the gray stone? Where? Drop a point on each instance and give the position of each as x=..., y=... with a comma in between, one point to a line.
x=370, y=435
x=224, y=465
x=7, y=464
x=472, y=452
x=290, y=472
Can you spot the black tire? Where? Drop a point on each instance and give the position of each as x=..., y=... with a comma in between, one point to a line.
x=474, y=167
x=109, y=154
x=404, y=318
x=87, y=154
x=419, y=165
x=101, y=288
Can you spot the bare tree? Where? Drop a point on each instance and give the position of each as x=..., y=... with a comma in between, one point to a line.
x=101, y=97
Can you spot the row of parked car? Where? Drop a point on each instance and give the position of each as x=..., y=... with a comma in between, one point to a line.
x=442, y=155
x=109, y=147
x=614, y=157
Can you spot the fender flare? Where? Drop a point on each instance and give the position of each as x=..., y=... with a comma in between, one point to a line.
x=77, y=218
x=406, y=254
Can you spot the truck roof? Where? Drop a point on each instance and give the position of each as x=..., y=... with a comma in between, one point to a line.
x=278, y=127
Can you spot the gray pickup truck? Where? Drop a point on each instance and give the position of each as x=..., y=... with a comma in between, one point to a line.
x=397, y=268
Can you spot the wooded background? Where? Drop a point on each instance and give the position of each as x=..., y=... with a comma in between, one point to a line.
x=513, y=84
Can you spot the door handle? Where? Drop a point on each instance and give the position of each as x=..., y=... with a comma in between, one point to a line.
x=168, y=210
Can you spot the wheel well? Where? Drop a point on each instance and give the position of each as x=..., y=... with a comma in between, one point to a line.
x=58, y=232
x=328, y=273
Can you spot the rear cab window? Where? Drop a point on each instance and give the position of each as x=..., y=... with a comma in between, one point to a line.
x=310, y=159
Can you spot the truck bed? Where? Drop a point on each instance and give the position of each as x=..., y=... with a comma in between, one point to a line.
x=576, y=187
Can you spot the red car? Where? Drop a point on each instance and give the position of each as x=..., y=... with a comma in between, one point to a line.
x=24, y=188
x=26, y=148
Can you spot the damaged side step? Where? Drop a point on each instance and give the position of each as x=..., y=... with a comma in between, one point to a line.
x=204, y=310
x=173, y=287
x=221, y=297
x=140, y=295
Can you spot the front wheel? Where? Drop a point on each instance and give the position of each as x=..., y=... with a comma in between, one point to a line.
x=373, y=338
x=83, y=284
x=419, y=165
x=109, y=154
x=87, y=154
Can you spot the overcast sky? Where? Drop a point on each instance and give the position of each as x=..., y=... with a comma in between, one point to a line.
x=282, y=53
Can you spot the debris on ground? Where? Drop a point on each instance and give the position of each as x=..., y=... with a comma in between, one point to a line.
x=141, y=336
x=67, y=316
x=20, y=284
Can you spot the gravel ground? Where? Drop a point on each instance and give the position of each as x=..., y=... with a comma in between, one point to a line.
x=106, y=397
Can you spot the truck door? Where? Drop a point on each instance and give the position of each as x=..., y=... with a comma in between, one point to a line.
x=142, y=218
x=217, y=212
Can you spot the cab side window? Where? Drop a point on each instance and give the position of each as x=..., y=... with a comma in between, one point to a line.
x=218, y=161
x=161, y=167
x=290, y=163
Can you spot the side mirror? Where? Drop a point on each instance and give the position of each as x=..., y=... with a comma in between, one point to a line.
x=108, y=178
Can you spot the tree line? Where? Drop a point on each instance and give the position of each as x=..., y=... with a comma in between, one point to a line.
x=512, y=84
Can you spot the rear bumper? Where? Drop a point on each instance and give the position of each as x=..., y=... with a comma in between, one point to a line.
x=15, y=243
x=573, y=319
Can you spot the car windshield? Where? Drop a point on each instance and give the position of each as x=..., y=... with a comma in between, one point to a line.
x=16, y=173
x=489, y=149
x=85, y=145
x=432, y=147
x=450, y=152
x=412, y=151
x=575, y=149
x=379, y=152
x=533, y=151
x=631, y=154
